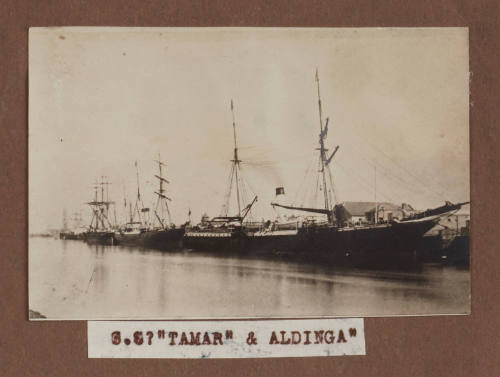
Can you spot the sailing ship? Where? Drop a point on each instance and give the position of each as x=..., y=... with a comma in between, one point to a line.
x=224, y=232
x=162, y=234
x=338, y=239
x=100, y=229
x=327, y=232
x=131, y=232
x=74, y=232
x=65, y=232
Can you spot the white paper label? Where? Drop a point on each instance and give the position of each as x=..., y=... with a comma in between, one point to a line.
x=226, y=339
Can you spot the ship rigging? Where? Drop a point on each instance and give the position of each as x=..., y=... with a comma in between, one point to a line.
x=335, y=212
x=236, y=180
x=100, y=208
x=162, y=217
x=324, y=171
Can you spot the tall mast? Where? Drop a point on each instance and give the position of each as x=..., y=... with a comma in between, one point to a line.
x=138, y=187
x=138, y=199
x=75, y=220
x=324, y=168
x=96, y=188
x=95, y=211
x=65, y=220
x=106, y=203
x=234, y=178
x=162, y=198
x=236, y=161
x=100, y=208
x=102, y=214
x=161, y=176
x=102, y=188
x=322, y=146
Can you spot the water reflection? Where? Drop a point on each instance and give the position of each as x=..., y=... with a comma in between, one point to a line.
x=73, y=280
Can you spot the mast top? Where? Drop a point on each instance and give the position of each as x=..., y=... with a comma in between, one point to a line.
x=161, y=203
x=138, y=184
x=236, y=160
x=102, y=185
x=322, y=149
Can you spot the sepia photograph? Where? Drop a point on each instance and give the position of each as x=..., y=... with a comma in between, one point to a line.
x=214, y=173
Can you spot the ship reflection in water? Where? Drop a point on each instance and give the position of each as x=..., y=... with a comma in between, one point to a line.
x=74, y=280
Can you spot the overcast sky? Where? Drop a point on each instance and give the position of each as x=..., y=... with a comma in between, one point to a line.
x=102, y=98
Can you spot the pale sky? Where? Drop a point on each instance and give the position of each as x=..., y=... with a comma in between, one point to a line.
x=102, y=98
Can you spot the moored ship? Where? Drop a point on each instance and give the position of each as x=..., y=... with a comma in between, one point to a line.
x=99, y=237
x=74, y=232
x=100, y=230
x=329, y=235
x=162, y=233
x=390, y=242
x=220, y=234
x=130, y=233
x=224, y=233
x=338, y=239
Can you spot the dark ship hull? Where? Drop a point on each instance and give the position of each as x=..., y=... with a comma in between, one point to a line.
x=454, y=251
x=457, y=252
x=163, y=239
x=160, y=239
x=373, y=245
x=337, y=240
x=71, y=236
x=100, y=238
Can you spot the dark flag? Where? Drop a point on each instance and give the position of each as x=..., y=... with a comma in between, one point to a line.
x=280, y=191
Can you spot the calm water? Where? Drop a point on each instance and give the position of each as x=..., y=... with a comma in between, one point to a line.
x=73, y=280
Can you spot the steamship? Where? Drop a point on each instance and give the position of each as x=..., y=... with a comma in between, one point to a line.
x=158, y=233
x=333, y=237
x=224, y=233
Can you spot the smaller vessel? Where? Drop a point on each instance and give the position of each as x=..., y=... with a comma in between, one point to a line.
x=449, y=242
x=76, y=231
x=100, y=230
x=131, y=232
x=224, y=233
x=65, y=232
x=162, y=233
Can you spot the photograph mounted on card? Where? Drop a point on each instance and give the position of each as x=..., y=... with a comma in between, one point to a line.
x=183, y=173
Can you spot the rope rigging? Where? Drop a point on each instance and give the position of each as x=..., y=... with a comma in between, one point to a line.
x=236, y=178
x=416, y=179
